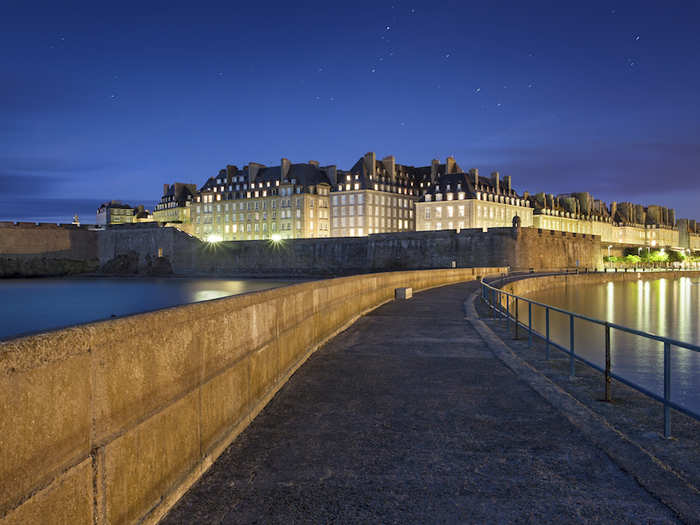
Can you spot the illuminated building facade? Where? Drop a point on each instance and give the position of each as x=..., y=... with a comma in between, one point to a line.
x=258, y=202
x=465, y=200
x=175, y=203
x=375, y=197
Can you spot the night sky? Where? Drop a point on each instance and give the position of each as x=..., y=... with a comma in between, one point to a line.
x=104, y=101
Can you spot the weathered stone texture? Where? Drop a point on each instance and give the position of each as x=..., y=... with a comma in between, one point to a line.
x=515, y=247
x=125, y=414
x=35, y=250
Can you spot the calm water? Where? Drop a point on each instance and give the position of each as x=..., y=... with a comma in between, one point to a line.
x=34, y=305
x=666, y=307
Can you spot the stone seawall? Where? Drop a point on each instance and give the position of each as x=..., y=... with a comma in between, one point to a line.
x=516, y=248
x=111, y=422
x=528, y=285
x=32, y=250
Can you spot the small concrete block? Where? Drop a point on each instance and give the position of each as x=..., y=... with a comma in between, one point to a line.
x=403, y=293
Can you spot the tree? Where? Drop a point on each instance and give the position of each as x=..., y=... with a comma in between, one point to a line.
x=674, y=256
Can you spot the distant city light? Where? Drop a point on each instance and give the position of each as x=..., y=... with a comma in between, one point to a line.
x=275, y=237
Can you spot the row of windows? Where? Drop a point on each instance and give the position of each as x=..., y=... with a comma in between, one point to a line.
x=241, y=217
x=379, y=222
x=437, y=211
x=257, y=205
x=448, y=225
x=384, y=200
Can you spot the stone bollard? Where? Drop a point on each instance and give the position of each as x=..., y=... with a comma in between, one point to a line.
x=402, y=294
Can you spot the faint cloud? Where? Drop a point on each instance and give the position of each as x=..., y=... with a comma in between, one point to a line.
x=610, y=171
x=41, y=175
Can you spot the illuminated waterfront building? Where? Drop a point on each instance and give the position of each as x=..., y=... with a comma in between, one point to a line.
x=375, y=197
x=258, y=202
x=465, y=200
x=175, y=204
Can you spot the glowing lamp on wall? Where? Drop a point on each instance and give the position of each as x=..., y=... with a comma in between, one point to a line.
x=275, y=237
x=214, y=237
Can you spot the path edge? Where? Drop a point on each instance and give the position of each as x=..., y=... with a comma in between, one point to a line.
x=656, y=477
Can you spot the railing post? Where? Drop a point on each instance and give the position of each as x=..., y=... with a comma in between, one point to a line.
x=517, y=316
x=507, y=307
x=529, y=323
x=667, y=389
x=572, y=362
x=546, y=325
x=608, y=377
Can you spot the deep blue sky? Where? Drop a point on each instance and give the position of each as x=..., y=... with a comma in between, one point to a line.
x=111, y=100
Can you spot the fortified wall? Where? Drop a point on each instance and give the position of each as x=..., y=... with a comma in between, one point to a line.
x=29, y=249
x=519, y=248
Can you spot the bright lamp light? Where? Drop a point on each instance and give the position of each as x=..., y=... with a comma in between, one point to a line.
x=214, y=237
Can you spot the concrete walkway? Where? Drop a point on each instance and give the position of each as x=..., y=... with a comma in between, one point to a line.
x=406, y=417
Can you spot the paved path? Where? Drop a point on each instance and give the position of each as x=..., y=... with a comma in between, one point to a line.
x=407, y=418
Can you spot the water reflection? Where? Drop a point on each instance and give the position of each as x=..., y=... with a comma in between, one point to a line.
x=32, y=305
x=667, y=307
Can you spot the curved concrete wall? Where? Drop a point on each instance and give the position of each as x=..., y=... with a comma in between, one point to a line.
x=111, y=422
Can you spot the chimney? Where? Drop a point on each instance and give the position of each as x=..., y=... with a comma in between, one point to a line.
x=332, y=173
x=495, y=181
x=390, y=166
x=434, y=168
x=371, y=163
x=166, y=187
x=284, y=167
x=253, y=169
x=506, y=183
x=475, y=173
x=450, y=165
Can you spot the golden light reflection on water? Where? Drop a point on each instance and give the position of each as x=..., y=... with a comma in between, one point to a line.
x=206, y=295
x=666, y=307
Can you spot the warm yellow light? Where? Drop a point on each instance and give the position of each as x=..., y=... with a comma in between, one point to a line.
x=275, y=237
x=213, y=237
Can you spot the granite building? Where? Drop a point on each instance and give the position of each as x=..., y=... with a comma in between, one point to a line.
x=456, y=200
x=175, y=203
x=375, y=197
x=306, y=200
x=259, y=202
x=114, y=212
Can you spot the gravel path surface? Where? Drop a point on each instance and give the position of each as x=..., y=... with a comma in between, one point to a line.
x=406, y=417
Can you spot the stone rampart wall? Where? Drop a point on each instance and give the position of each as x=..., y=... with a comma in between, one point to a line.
x=30, y=249
x=517, y=248
x=110, y=422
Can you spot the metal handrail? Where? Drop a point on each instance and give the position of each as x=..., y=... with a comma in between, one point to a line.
x=494, y=299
